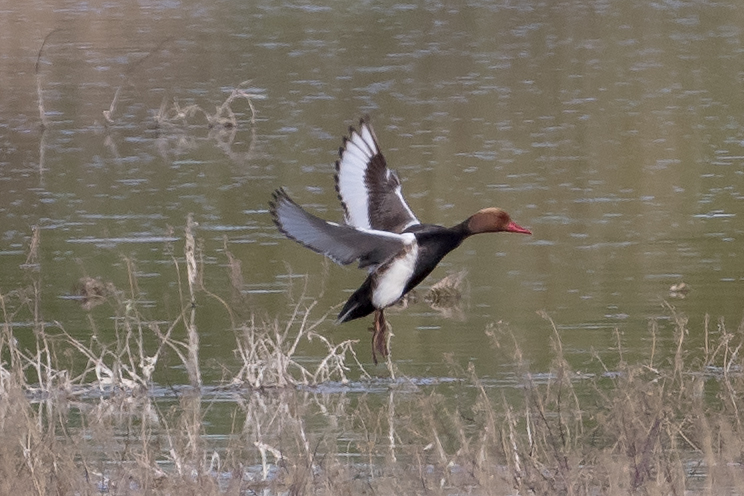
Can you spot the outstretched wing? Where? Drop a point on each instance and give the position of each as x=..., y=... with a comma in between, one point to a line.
x=341, y=243
x=370, y=192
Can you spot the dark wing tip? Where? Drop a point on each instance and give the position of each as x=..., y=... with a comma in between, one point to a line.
x=278, y=196
x=338, y=188
x=363, y=121
x=274, y=199
x=273, y=205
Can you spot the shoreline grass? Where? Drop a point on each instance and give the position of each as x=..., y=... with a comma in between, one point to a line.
x=85, y=418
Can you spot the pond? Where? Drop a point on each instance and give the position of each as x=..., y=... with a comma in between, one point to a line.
x=614, y=131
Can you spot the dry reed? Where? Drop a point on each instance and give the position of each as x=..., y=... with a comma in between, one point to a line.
x=81, y=416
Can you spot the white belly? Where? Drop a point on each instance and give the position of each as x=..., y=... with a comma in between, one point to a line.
x=393, y=280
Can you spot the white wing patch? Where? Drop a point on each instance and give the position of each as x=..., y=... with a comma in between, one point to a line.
x=368, y=138
x=359, y=150
x=369, y=191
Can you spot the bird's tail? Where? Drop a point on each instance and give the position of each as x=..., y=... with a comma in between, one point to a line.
x=359, y=304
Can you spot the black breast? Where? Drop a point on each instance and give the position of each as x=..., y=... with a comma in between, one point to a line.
x=434, y=242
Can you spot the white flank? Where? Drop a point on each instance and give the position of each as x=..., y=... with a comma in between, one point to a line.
x=393, y=280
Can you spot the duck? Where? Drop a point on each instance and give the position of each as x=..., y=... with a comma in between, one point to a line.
x=379, y=231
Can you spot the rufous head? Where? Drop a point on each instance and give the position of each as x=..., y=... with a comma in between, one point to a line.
x=493, y=220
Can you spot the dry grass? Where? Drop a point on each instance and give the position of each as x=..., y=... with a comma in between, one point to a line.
x=223, y=116
x=86, y=418
x=39, y=89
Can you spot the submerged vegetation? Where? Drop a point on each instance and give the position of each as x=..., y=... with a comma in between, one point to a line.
x=90, y=417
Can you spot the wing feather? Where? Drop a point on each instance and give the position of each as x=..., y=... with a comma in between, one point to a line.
x=343, y=244
x=370, y=192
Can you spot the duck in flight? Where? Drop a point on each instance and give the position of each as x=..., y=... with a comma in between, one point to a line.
x=380, y=231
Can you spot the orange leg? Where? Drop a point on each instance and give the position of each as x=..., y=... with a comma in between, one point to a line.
x=379, y=336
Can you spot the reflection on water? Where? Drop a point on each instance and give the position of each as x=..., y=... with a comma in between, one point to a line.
x=612, y=130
